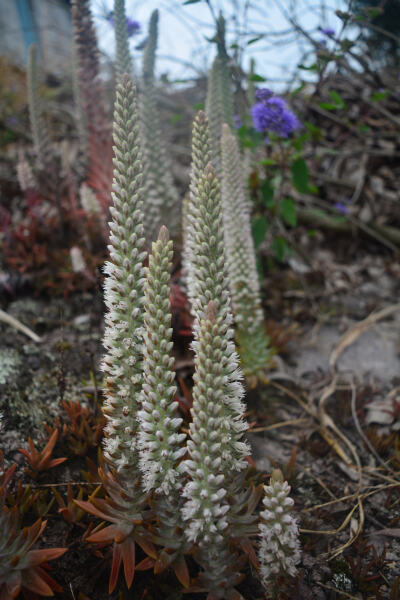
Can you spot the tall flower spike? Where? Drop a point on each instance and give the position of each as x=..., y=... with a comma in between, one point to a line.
x=161, y=196
x=80, y=117
x=124, y=288
x=219, y=101
x=159, y=439
x=208, y=282
x=39, y=131
x=200, y=159
x=87, y=56
x=91, y=96
x=279, y=548
x=242, y=269
x=123, y=60
x=207, y=508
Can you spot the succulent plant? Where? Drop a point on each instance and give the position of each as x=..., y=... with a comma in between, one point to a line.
x=20, y=565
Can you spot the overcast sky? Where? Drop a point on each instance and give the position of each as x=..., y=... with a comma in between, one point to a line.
x=183, y=50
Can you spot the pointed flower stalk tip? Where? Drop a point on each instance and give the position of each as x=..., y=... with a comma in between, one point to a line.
x=163, y=235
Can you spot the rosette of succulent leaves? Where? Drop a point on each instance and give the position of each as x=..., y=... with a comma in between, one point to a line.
x=252, y=340
x=21, y=567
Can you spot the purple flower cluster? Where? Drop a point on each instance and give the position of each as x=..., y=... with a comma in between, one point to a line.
x=132, y=27
x=328, y=31
x=271, y=114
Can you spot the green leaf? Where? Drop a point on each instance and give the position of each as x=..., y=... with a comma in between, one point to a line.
x=328, y=106
x=198, y=106
x=176, y=118
x=254, y=40
x=378, y=96
x=259, y=230
x=337, y=99
x=267, y=162
x=267, y=192
x=299, y=89
x=191, y=2
x=287, y=209
x=364, y=128
x=280, y=248
x=373, y=12
x=314, y=130
x=300, y=175
x=305, y=68
x=255, y=77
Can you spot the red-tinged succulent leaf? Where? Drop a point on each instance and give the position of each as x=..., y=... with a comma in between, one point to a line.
x=147, y=547
x=38, y=557
x=255, y=498
x=91, y=509
x=7, y=475
x=163, y=561
x=41, y=461
x=49, y=580
x=106, y=535
x=116, y=565
x=182, y=572
x=121, y=534
x=55, y=462
x=250, y=461
x=145, y=564
x=11, y=588
x=33, y=580
x=33, y=532
x=248, y=548
x=128, y=558
x=25, y=453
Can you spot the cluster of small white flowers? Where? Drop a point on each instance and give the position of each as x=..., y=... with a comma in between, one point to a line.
x=159, y=441
x=77, y=261
x=200, y=159
x=25, y=176
x=279, y=547
x=219, y=100
x=123, y=292
x=209, y=430
x=252, y=340
x=208, y=282
x=123, y=61
x=89, y=201
x=38, y=127
x=241, y=260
